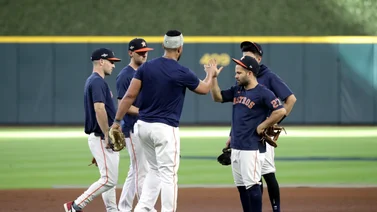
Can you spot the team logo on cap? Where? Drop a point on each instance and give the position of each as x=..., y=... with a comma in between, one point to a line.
x=104, y=55
x=143, y=44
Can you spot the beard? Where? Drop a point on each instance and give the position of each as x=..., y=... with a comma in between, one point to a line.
x=179, y=57
x=244, y=83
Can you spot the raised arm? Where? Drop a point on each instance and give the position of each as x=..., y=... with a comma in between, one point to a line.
x=216, y=91
x=211, y=73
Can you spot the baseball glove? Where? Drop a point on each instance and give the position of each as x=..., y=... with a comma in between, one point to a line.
x=224, y=158
x=271, y=134
x=116, y=140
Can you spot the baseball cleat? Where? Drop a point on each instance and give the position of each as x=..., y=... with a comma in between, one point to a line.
x=68, y=207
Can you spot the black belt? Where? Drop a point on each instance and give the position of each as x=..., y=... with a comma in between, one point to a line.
x=99, y=135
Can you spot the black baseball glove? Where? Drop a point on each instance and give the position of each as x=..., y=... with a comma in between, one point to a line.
x=224, y=158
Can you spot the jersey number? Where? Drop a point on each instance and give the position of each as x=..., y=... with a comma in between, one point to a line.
x=275, y=103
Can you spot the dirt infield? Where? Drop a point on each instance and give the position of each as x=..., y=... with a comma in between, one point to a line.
x=205, y=199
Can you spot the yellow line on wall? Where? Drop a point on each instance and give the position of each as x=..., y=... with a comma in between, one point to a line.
x=191, y=39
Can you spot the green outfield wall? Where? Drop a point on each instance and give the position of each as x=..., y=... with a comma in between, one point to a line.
x=333, y=78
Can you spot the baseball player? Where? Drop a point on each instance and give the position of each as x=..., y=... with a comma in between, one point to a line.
x=162, y=84
x=138, y=52
x=99, y=115
x=273, y=82
x=252, y=103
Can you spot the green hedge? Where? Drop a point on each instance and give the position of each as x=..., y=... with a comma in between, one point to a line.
x=193, y=17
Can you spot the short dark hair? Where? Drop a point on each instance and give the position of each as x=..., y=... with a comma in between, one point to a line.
x=173, y=33
x=170, y=49
x=251, y=49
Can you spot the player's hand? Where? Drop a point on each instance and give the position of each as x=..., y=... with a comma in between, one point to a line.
x=116, y=126
x=227, y=144
x=211, y=67
x=107, y=141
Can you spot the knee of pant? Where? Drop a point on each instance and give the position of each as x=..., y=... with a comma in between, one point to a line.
x=253, y=184
x=241, y=189
x=167, y=174
x=110, y=183
x=270, y=178
x=167, y=170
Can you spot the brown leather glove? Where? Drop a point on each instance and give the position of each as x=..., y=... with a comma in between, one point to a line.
x=271, y=134
x=93, y=162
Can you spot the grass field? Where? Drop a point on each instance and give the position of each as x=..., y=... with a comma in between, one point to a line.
x=53, y=157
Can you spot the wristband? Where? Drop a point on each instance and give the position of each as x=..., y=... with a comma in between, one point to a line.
x=282, y=119
x=117, y=121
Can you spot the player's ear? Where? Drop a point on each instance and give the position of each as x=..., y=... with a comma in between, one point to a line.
x=130, y=53
x=259, y=59
x=179, y=49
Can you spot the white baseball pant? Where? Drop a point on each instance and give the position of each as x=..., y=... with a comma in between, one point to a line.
x=246, y=167
x=268, y=165
x=161, y=145
x=108, y=162
x=136, y=173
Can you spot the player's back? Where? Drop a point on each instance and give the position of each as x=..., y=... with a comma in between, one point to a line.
x=164, y=83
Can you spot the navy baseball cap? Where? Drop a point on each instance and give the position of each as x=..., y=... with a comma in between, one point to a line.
x=248, y=63
x=248, y=46
x=105, y=54
x=138, y=45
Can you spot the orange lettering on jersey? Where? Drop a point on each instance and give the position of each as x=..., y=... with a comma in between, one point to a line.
x=251, y=105
x=243, y=100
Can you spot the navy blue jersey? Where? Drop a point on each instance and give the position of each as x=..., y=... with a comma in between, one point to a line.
x=273, y=82
x=250, y=108
x=123, y=81
x=164, y=83
x=97, y=90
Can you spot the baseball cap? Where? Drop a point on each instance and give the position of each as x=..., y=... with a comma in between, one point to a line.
x=138, y=45
x=252, y=47
x=103, y=53
x=248, y=63
x=173, y=39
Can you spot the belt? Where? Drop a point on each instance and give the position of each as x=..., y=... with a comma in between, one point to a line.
x=98, y=135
